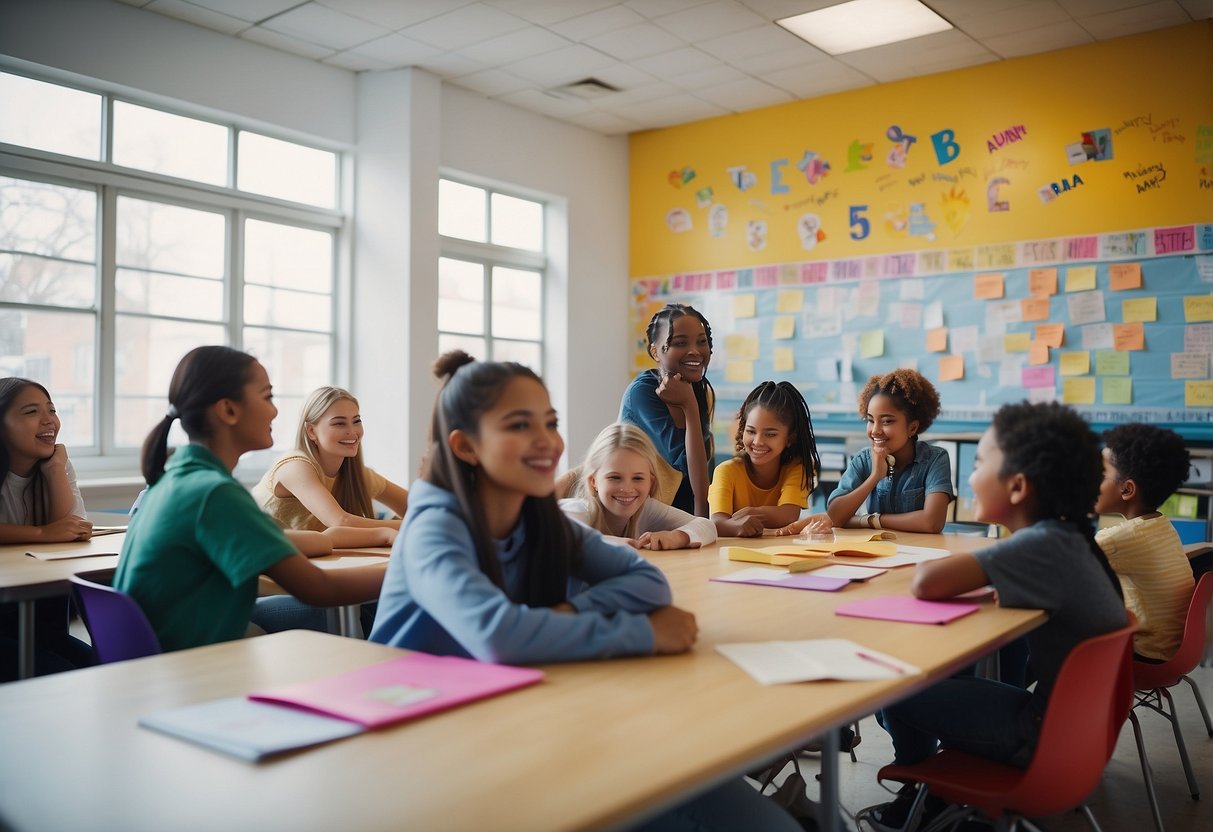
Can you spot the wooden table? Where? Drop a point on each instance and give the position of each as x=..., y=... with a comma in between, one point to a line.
x=599, y=744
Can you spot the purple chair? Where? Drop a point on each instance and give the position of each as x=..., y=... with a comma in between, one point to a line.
x=118, y=627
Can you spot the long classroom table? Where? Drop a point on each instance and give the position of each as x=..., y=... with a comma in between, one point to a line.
x=597, y=745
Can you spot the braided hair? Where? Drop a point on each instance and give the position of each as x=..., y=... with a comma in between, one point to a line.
x=784, y=400
x=705, y=394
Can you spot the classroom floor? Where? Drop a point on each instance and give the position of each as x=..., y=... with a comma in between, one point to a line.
x=1119, y=803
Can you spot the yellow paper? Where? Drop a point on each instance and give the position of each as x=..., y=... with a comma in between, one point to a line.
x=1111, y=363
x=1139, y=309
x=951, y=367
x=937, y=339
x=1038, y=353
x=1052, y=334
x=856, y=548
x=1198, y=308
x=1080, y=279
x=871, y=343
x=1078, y=391
x=738, y=372
x=988, y=286
x=1129, y=336
x=789, y=301
x=783, y=360
x=1118, y=391
x=1123, y=276
x=1034, y=309
x=1076, y=363
x=1198, y=393
x=1017, y=342
x=741, y=346
x=1042, y=282
x=744, y=306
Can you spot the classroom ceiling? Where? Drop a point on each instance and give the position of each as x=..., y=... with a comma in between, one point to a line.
x=672, y=61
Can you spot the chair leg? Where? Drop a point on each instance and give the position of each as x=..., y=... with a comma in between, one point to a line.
x=855, y=738
x=1193, y=788
x=1145, y=772
x=1200, y=703
x=1086, y=810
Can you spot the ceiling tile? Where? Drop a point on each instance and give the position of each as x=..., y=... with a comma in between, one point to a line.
x=251, y=10
x=657, y=89
x=919, y=56
x=1033, y=41
x=465, y=26
x=762, y=40
x=394, y=14
x=746, y=94
x=777, y=9
x=1137, y=19
x=265, y=37
x=598, y=22
x=784, y=59
x=397, y=50
x=955, y=11
x=492, y=82
x=635, y=42
x=656, y=8
x=1198, y=9
x=515, y=46
x=710, y=20
x=662, y=112
x=561, y=66
x=1018, y=18
x=545, y=12
x=1084, y=8
x=324, y=26
x=624, y=76
x=451, y=65
x=818, y=79
x=355, y=62
x=199, y=16
x=542, y=102
x=711, y=77
x=603, y=122
x=687, y=59
x=135, y=3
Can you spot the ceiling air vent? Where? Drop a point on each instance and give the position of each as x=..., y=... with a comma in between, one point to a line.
x=586, y=89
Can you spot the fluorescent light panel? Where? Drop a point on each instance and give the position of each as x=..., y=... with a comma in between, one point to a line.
x=861, y=24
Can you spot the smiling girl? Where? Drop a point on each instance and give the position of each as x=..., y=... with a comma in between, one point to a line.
x=615, y=495
x=674, y=403
x=768, y=483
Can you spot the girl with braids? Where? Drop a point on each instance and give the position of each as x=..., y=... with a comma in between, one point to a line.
x=906, y=484
x=1038, y=471
x=194, y=551
x=674, y=403
x=768, y=483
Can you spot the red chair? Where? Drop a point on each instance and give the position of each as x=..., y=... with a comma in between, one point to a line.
x=117, y=625
x=1151, y=681
x=1090, y=701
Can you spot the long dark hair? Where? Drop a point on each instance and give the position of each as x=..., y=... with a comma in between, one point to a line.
x=35, y=492
x=705, y=394
x=470, y=389
x=1056, y=451
x=790, y=408
x=204, y=376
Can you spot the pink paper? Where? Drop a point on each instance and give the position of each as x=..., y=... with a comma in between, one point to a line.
x=400, y=689
x=906, y=608
x=798, y=581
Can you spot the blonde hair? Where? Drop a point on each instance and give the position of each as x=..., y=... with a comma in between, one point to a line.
x=619, y=436
x=349, y=486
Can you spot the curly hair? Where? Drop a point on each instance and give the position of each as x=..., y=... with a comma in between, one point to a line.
x=1058, y=453
x=1155, y=458
x=911, y=393
x=790, y=408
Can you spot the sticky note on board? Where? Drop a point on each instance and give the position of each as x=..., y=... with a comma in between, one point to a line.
x=1017, y=342
x=932, y=315
x=785, y=327
x=1038, y=377
x=738, y=372
x=937, y=339
x=1053, y=335
x=744, y=306
x=789, y=301
x=783, y=360
x=1038, y=353
x=1078, y=391
x=1111, y=363
x=951, y=367
x=1086, y=308
x=1034, y=309
x=1198, y=308
x=1117, y=390
x=1080, y=279
x=988, y=286
x=1098, y=337
x=871, y=343
x=1122, y=276
x=1129, y=336
x=1189, y=365
x=1042, y=282
x=741, y=346
x=1198, y=393
x=1139, y=309
x=1076, y=363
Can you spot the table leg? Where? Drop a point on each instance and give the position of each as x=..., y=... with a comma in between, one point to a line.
x=831, y=807
x=25, y=639
x=350, y=621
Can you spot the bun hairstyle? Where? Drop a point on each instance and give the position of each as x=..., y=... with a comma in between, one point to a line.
x=349, y=486
x=470, y=389
x=204, y=376
x=39, y=499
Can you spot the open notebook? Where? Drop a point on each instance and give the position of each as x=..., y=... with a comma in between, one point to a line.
x=296, y=716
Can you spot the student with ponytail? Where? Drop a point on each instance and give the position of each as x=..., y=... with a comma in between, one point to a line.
x=195, y=549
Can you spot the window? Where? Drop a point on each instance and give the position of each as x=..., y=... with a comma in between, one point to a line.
x=490, y=277
x=121, y=250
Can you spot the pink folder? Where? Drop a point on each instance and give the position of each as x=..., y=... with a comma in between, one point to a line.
x=400, y=689
x=906, y=608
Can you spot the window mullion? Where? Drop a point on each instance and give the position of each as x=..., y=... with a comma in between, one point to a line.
x=235, y=278
x=107, y=338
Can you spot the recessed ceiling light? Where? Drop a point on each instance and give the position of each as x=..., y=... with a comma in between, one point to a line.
x=861, y=24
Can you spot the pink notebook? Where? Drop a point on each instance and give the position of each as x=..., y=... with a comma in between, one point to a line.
x=401, y=689
x=906, y=608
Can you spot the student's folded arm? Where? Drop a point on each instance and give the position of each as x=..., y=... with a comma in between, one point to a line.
x=300, y=479
x=395, y=497
x=774, y=517
x=310, y=544
x=620, y=580
x=929, y=519
x=327, y=587
x=948, y=577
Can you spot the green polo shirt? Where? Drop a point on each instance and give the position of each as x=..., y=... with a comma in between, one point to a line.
x=194, y=550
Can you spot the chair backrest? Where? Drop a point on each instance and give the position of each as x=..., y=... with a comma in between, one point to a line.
x=118, y=627
x=1087, y=708
x=1149, y=676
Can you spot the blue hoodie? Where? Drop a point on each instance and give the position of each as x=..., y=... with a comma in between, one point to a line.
x=436, y=599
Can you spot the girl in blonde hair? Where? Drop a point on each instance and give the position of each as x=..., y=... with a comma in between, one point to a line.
x=619, y=477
